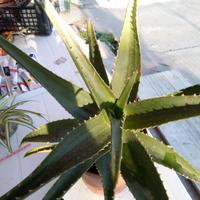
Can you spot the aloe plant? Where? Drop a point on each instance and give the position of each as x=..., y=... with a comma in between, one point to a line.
x=108, y=121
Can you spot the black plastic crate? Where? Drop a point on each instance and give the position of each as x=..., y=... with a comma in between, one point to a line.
x=29, y=19
x=22, y=2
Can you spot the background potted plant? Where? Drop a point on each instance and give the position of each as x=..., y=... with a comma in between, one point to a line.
x=107, y=128
x=10, y=117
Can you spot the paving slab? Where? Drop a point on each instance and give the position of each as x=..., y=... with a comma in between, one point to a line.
x=187, y=61
x=164, y=27
x=169, y=26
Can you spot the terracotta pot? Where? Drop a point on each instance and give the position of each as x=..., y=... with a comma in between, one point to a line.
x=93, y=182
x=2, y=52
x=4, y=1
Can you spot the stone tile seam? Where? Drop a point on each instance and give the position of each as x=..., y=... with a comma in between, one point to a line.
x=180, y=49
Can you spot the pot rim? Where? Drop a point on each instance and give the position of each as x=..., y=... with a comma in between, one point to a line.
x=94, y=183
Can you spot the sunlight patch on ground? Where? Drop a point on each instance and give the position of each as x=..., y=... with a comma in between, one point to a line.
x=123, y=3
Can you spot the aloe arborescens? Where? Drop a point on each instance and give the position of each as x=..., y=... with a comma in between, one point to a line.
x=108, y=120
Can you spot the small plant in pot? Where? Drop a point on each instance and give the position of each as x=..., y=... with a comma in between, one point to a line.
x=108, y=121
x=10, y=117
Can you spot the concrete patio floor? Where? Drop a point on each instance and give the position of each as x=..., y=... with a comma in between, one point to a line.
x=168, y=29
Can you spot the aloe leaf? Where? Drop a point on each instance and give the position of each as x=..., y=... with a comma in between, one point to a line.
x=124, y=97
x=51, y=132
x=70, y=96
x=43, y=149
x=66, y=181
x=116, y=148
x=94, y=53
x=109, y=164
x=101, y=93
x=139, y=172
x=195, y=89
x=157, y=111
x=90, y=139
x=128, y=56
x=104, y=169
x=166, y=156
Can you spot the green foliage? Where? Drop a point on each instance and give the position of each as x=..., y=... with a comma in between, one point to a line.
x=91, y=77
x=113, y=138
x=104, y=169
x=10, y=117
x=166, y=156
x=52, y=132
x=139, y=171
x=94, y=53
x=127, y=63
x=109, y=164
x=107, y=38
x=42, y=149
x=195, y=89
x=83, y=34
x=157, y=111
x=73, y=98
x=91, y=136
x=66, y=181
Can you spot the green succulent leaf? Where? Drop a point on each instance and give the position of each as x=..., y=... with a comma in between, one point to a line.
x=70, y=96
x=157, y=111
x=116, y=148
x=166, y=156
x=43, y=149
x=109, y=164
x=90, y=139
x=104, y=169
x=139, y=172
x=94, y=53
x=124, y=97
x=195, y=89
x=101, y=93
x=128, y=56
x=67, y=179
x=51, y=132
